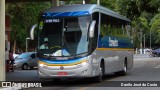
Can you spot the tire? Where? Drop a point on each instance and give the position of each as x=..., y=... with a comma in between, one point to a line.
x=24, y=66
x=98, y=78
x=124, y=71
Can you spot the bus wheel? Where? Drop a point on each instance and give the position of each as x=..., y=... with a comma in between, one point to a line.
x=99, y=77
x=124, y=71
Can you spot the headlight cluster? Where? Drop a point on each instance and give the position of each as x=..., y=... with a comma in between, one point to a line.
x=83, y=63
x=42, y=65
x=17, y=63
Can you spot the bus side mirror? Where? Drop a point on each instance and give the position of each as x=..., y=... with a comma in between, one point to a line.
x=92, y=28
x=32, y=31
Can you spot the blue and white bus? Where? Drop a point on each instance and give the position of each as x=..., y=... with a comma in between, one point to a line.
x=85, y=40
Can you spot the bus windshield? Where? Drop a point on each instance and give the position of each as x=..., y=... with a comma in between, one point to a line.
x=64, y=36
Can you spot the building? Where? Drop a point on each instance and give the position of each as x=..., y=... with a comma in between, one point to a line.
x=7, y=31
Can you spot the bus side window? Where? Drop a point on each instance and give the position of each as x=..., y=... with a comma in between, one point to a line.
x=95, y=38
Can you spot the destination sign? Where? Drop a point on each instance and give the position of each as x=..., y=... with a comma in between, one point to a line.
x=52, y=20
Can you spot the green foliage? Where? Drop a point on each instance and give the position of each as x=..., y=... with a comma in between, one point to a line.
x=140, y=25
x=108, y=3
x=144, y=24
x=147, y=16
x=143, y=13
x=155, y=4
x=23, y=16
x=155, y=28
x=155, y=23
x=103, y=30
x=115, y=31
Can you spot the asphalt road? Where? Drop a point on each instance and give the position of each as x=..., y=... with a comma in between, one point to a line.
x=145, y=69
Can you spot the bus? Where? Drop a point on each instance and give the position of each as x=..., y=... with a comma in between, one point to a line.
x=83, y=41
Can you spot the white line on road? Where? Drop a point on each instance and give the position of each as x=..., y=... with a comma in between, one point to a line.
x=157, y=66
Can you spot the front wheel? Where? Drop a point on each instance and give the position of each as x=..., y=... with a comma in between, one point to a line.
x=124, y=71
x=24, y=66
x=99, y=77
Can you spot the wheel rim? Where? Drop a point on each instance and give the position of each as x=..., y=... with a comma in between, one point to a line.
x=25, y=66
x=100, y=75
x=125, y=67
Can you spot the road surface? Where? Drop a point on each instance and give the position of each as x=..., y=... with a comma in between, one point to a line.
x=145, y=69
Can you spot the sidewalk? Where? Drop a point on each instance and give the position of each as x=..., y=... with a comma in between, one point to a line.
x=21, y=77
x=144, y=57
x=141, y=55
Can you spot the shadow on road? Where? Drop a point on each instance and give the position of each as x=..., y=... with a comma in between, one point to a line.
x=82, y=82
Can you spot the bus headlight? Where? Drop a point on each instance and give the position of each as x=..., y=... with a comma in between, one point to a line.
x=83, y=63
x=42, y=65
x=18, y=63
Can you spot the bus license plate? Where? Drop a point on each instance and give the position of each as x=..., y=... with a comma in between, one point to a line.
x=62, y=73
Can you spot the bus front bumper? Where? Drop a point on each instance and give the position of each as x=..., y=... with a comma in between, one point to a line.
x=65, y=71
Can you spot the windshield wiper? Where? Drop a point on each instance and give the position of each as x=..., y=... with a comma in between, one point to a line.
x=19, y=58
x=80, y=55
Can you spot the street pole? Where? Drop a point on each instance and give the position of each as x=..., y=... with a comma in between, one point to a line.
x=27, y=44
x=139, y=33
x=144, y=44
x=98, y=2
x=150, y=40
x=55, y=3
x=84, y=2
x=141, y=42
x=2, y=41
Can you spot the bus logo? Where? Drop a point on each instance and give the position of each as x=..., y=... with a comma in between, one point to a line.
x=61, y=67
x=113, y=42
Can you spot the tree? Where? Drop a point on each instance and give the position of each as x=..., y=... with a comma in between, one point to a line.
x=155, y=28
x=23, y=16
x=155, y=4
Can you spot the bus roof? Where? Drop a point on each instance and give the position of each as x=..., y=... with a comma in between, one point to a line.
x=81, y=9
